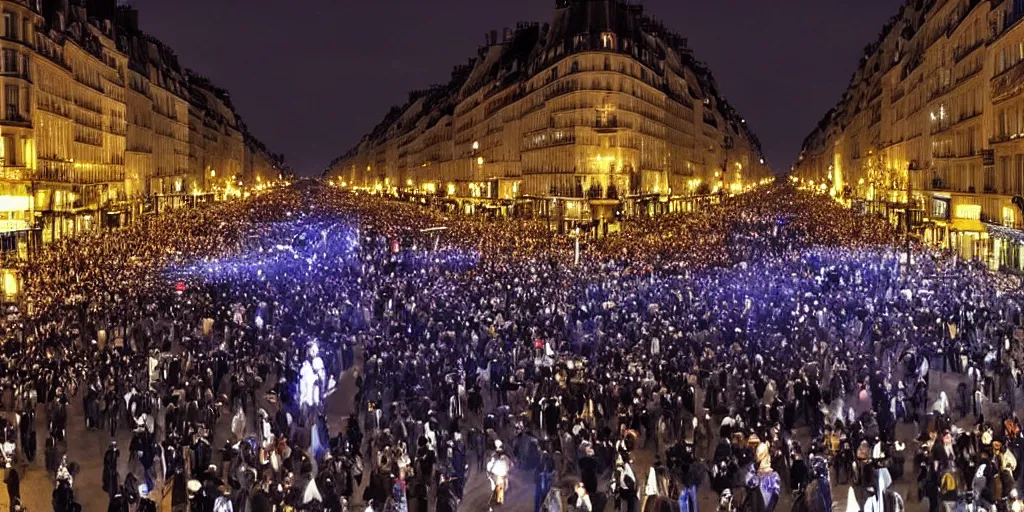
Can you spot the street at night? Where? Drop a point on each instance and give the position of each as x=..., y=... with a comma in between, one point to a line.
x=612, y=256
x=315, y=345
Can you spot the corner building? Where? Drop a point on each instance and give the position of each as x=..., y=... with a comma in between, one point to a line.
x=601, y=113
x=932, y=122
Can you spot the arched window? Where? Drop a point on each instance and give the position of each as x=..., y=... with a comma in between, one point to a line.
x=608, y=41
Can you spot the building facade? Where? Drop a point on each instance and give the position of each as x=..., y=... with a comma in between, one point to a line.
x=95, y=127
x=602, y=111
x=928, y=130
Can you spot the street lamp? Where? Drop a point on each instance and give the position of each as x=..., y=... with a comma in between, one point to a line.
x=576, y=235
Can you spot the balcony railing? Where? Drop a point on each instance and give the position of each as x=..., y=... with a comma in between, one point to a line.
x=1004, y=137
x=606, y=125
x=597, y=192
x=67, y=172
x=1011, y=20
x=15, y=118
x=1008, y=83
x=959, y=17
x=960, y=53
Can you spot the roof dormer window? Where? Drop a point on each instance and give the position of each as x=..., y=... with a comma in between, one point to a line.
x=608, y=41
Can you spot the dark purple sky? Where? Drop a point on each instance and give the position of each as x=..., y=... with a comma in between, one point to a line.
x=312, y=78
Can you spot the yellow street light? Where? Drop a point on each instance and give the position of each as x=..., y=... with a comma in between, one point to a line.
x=479, y=160
x=213, y=173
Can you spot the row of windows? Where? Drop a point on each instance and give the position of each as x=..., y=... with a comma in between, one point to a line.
x=16, y=27
x=963, y=143
x=15, y=63
x=1009, y=120
x=1008, y=56
x=1010, y=176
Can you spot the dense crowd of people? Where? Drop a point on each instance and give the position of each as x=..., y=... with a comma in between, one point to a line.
x=770, y=349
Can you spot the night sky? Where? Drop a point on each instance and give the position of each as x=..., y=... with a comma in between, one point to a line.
x=311, y=77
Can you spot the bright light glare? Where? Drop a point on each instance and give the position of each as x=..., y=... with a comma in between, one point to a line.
x=499, y=468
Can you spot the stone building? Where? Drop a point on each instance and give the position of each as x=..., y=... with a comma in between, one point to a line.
x=261, y=166
x=94, y=131
x=601, y=112
x=932, y=123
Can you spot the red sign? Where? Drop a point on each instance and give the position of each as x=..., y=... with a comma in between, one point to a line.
x=180, y=286
x=394, y=245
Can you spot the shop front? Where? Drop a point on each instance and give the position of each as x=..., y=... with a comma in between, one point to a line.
x=1007, y=249
x=969, y=238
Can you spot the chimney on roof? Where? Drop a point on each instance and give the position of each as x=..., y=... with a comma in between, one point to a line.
x=101, y=9
x=128, y=18
x=53, y=8
x=494, y=37
x=506, y=35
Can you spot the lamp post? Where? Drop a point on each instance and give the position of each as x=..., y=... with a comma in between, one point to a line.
x=910, y=192
x=576, y=235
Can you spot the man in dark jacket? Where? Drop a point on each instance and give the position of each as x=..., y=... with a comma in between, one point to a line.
x=110, y=476
x=13, y=481
x=380, y=488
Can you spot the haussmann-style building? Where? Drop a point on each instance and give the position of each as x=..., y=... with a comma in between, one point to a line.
x=930, y=131
x=601, y=113
x=101, y=126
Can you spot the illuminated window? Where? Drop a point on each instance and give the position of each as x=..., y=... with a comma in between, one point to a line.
x=968, y=211
x=608, y=40
x=11, y=101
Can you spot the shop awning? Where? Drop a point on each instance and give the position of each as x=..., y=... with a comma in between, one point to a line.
x=968, y=226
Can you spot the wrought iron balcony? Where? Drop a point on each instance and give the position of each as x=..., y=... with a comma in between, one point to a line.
x=1008, y=83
